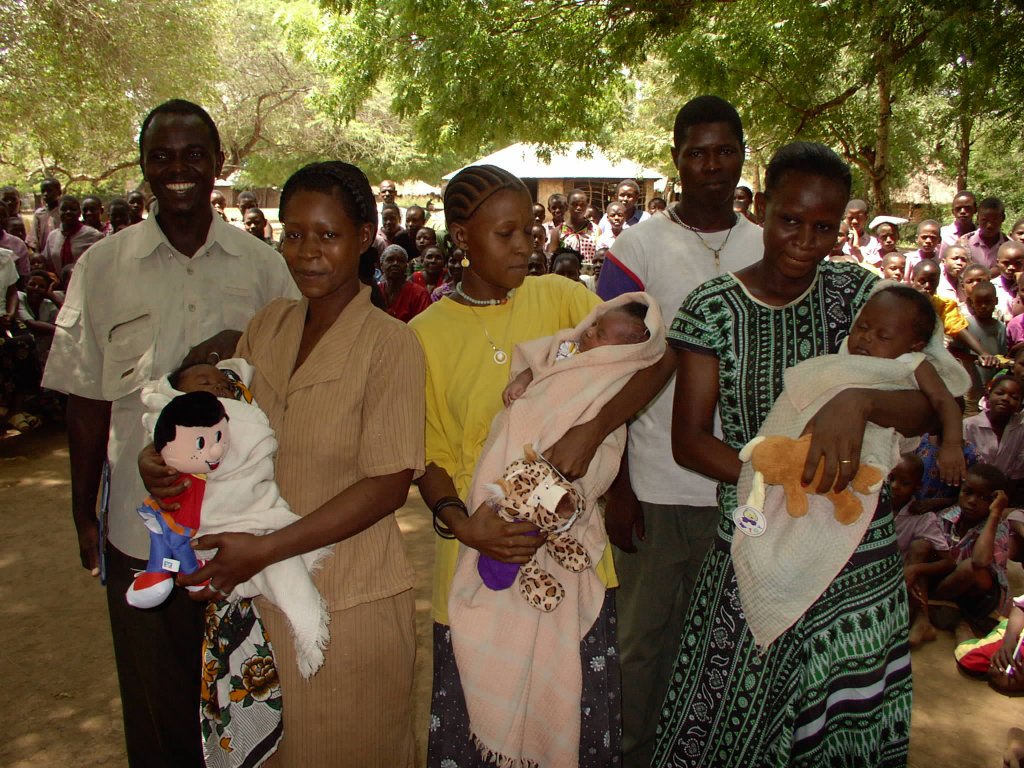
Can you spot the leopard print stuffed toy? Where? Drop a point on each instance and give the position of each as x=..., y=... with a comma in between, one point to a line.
x=532, y=491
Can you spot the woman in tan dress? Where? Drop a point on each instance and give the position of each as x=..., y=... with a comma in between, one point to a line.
x=343, y=386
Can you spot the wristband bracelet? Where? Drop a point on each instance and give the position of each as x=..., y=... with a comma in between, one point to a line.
x=440, y=528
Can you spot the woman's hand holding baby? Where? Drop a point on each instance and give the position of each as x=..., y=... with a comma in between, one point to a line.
x=239, y=557
x=487, y=533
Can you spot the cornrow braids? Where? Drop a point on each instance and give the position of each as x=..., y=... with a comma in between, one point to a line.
x=343, y=180
x=473, y=186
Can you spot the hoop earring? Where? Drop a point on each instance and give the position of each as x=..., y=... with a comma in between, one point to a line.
x=465, y=259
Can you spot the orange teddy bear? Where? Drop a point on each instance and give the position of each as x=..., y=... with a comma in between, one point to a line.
x=778, y=460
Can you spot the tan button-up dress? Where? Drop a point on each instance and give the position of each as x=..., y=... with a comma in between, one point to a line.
x=354, y=409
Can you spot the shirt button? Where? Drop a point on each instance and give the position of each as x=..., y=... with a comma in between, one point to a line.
x=190, y=270
x=191, y=307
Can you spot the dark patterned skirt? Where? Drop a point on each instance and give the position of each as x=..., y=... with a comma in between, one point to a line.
x=834, y=690
x=450, y=744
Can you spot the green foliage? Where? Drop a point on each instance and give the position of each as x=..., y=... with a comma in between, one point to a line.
x=77, y=79
x=470, y=74
x=415, y=88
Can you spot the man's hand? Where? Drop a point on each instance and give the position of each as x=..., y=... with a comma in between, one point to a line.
x=160, y=480
x=623, y=516
x=573, y=452
x=216, y=348
x=88, y=545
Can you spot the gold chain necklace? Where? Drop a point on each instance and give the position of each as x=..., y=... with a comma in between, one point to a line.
x=716, y=251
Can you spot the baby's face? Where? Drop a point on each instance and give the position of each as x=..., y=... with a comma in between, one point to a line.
x=206, y=378
x=614, y=327
x=884, y=328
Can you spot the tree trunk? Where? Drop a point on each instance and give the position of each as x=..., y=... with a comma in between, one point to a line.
x=880, y=166
x=966, y=121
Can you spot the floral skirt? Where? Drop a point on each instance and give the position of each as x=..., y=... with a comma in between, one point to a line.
x=833, y=690
x=240, y=714
x=450, y=744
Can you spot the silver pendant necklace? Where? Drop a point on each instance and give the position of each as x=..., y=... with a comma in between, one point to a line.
x=716, y=251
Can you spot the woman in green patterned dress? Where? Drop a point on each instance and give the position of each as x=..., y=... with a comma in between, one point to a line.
x=834, y=690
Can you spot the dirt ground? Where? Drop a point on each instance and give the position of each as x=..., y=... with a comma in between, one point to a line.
x=56, y=664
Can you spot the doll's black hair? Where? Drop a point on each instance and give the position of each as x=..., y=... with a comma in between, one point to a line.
x=196, y=409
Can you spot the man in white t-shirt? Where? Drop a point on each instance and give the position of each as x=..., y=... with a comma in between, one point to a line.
x=181, y=282
x=671, y=510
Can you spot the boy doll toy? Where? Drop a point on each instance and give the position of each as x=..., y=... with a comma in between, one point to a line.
x=191, y=435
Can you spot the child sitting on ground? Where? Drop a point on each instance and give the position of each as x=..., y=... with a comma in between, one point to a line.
x=921, y=541
x=1006, y=674
x=934, y=495
x=979, y=542
x=897, y=329
x=998, y=432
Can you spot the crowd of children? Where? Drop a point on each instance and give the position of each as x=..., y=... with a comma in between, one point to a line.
x=956, y=540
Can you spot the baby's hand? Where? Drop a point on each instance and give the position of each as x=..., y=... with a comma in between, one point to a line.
x=999, y=503
x=512, y=392
x=952, y=466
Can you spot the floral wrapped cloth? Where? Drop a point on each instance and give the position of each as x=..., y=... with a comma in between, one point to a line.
x=240, y=711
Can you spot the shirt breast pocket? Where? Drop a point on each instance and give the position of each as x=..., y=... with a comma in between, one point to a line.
x=128, y=356
x=239, y=305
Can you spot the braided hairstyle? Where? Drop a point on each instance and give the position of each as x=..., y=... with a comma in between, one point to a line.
x=473, y=186
x=350, y=186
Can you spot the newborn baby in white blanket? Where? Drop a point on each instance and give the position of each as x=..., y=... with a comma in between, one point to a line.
x=242, y=496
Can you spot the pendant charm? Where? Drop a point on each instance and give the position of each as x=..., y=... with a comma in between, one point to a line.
x=500, y=357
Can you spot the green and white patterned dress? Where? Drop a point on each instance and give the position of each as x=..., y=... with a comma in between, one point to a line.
x=835, y=689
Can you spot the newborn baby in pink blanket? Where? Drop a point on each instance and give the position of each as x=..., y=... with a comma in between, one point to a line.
x=623, y=324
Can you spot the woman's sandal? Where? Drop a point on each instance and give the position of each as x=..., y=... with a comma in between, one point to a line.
x=24, y=422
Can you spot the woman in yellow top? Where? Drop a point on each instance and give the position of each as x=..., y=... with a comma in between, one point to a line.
x=467, y=341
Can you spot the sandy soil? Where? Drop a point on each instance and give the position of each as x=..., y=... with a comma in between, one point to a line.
x=62, y=708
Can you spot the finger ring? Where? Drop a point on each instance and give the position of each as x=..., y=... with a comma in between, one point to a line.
x=846, y=461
